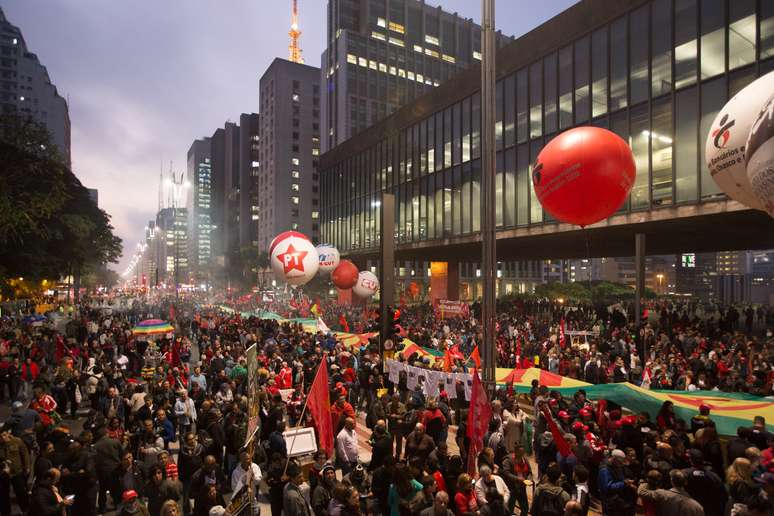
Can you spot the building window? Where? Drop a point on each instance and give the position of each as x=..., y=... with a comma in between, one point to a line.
x=618, y=65
x=381, y=22
x=296, y=97
x=294, y=174
x=295, y=187
x=315, y=215
x=432, y=40
x=351, y=59
x=685, y=42
x=295, y=148
x=661, y=63
x=396, y=41
x=378, y=35
x=295, y=199
x=295, y=161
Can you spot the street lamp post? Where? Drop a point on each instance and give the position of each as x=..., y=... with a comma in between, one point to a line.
x=488, y=237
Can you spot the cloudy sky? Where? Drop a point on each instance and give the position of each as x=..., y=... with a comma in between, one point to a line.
x=144, y=78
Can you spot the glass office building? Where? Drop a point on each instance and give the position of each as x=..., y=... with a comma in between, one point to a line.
x=655, y=72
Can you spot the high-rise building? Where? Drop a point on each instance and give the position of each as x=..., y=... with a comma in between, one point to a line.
x=289, y=148
x=172, y=245
x=382, y=54
x=199, y=174
x=26, y=89
x=234, y=165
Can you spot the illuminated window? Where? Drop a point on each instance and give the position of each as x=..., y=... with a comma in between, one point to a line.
x=397, y=27
x=396, y=41
x=431, y=52
x=382, y=67
x=372, y=64
x=315, y=214
x=296, y=161
x=381, y=22
x=418, y=48
x=378, y=35
x=315, y=152
x=401, y=72
x=411, y=75
x=295, y=187
x=420, y=77
x=295, y=200
x=393, y=70
x=296, y=97
x=362, y=62
x=449, y=59
x=477, y=55
x=432, y=40
x=351, y=59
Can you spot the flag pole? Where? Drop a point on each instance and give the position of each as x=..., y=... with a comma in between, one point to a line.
x=303, y=411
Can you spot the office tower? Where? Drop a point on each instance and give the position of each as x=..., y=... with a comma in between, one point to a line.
x=289, y=149
x=26, y=89
x=199, y=174
x=382, y=54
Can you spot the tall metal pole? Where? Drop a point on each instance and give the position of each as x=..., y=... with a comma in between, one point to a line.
x=488, y=238
x=639, y=287
x=387, y=266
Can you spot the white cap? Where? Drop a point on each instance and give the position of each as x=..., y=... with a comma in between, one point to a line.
x=618, y=453
x=218, y=510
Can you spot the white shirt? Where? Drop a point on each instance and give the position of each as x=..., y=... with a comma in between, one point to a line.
x=239, y=474
x=346, y=445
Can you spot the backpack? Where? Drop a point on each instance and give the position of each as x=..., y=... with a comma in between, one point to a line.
x=548, y=504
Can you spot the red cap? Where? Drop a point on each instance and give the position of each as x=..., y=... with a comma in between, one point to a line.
x=577, y=426
x=553, y=402
x=172, y=470
x=129, y=495
x=563, y=414
x=585, y=412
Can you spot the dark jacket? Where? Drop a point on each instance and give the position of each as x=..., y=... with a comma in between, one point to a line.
x=293, y=501
x=43, y=502
x=107, y=457
x=707, y=489
x=381, y=448
x=189, y=461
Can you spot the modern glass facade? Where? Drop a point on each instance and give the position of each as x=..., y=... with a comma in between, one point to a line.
x=657, y=75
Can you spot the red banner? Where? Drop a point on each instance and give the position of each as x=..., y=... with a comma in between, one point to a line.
x=446, y=309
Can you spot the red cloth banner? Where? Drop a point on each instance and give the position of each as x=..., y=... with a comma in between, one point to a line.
x=478, y=421
x=320, y=408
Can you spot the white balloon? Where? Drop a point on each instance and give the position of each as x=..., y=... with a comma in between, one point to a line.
x=760, y=156
x=329, y=258
x=367, y=284
x=294, y=260
x=724, y=151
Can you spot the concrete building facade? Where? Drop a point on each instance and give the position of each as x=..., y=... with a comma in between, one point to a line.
x=656, y=72
x=26, y=88
x=286, y=172
x=381, y=54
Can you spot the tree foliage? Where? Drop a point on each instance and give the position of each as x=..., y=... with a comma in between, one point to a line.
x=598, y=291
x=49, y=226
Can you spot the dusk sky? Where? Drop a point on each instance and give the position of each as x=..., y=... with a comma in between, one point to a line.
x=144, y=78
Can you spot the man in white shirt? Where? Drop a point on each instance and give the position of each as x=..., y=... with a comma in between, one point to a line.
x=185, y=410
x=246, y=471
x=489, y=480
x=346, y=447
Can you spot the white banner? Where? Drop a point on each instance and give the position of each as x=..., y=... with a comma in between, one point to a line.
x=429, y=379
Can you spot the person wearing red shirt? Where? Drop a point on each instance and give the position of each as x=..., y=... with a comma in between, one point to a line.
x=340, y=411
x=285, y=377
x=465, y=499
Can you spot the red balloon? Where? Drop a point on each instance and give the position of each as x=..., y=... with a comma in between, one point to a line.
x=345, y=275
x=282, y=236
x=584, y=175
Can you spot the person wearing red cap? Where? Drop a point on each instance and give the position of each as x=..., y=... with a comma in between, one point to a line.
x=131, y=505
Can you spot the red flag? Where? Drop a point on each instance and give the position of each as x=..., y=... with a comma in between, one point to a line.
x=343, y=323
x=319, y=405
x=447, y=361
x=562, y=340
x=478, y=421
x=561, y=443
x=455, y=352
x=476, y=357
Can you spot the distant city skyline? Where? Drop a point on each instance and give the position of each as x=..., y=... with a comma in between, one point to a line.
x=143, y=80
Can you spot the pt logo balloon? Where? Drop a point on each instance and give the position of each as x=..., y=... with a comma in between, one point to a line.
x=724, y=151
x=367, y=284
x=760, y=157
x=584, y=175
x=329, y=258
x=294, y=259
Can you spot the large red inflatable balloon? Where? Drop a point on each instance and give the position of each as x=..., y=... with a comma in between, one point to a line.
x=584, y=175
x=345, y=275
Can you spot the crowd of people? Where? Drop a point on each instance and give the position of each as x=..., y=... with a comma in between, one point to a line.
x=102, y=420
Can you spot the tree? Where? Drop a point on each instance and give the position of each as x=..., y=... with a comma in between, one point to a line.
x=49, y=226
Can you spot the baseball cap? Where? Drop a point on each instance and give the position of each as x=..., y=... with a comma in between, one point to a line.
x=218, y=510
x=618, y=453
x=129, y=495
